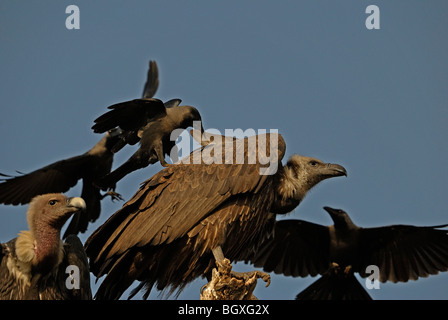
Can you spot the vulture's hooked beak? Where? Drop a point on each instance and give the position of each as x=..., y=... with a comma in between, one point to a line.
x=77, y=203
x=335, y=170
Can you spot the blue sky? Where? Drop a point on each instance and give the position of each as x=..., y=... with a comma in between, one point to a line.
x=375, y=101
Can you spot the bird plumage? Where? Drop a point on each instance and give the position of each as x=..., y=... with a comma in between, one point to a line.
x=165, y=233
x=335, y=284
x=148, y=121
x=152, y=80
x=33, y=265
x=401, y=252
x=62, y=175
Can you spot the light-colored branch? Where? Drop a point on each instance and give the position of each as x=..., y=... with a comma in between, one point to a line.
x=227, y=285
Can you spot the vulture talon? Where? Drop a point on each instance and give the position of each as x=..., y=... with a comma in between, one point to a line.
x=246, y=276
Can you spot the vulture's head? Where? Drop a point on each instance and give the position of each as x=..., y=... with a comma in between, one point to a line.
x=310, y=171
x=41, y=246
x=300, y=175
x=52, y=210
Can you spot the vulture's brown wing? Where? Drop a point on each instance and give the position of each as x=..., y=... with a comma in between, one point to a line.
x=403, y=252
x=297, y=248
x=10, y=288
x=130, y=115
x=152, y=81
x=6, y=280
x=172, y=203
x=169, y=205
x=57, y=177
x=266, y=150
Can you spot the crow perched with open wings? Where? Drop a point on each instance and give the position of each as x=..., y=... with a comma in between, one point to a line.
x=148, y=121
x=186, y=216
x=401, y=252
x=65, y=174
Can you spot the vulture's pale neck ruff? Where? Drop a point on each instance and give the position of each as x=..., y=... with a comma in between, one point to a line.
x=40, y=249
x=292, y=187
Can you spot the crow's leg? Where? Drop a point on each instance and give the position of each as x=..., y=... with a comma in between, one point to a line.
x=137, y=161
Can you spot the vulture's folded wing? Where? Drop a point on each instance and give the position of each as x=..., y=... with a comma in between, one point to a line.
x=172, y=203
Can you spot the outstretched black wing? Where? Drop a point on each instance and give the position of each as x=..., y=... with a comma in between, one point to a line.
x=297, y=248
x=403, y=252
x=57, y=177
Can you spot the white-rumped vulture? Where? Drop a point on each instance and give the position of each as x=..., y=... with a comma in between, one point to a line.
x=37, y=265
x=65, y=174
x=401, y=252
x=183, y=218
x=148, y=121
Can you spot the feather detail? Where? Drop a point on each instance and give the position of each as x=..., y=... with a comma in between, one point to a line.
x=25, y=246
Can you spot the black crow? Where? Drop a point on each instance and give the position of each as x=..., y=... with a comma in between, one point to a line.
x=399, y=252
x=148, y=121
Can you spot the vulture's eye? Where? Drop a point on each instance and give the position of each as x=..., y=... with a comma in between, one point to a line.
x=313, y=163
x=52, y=202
